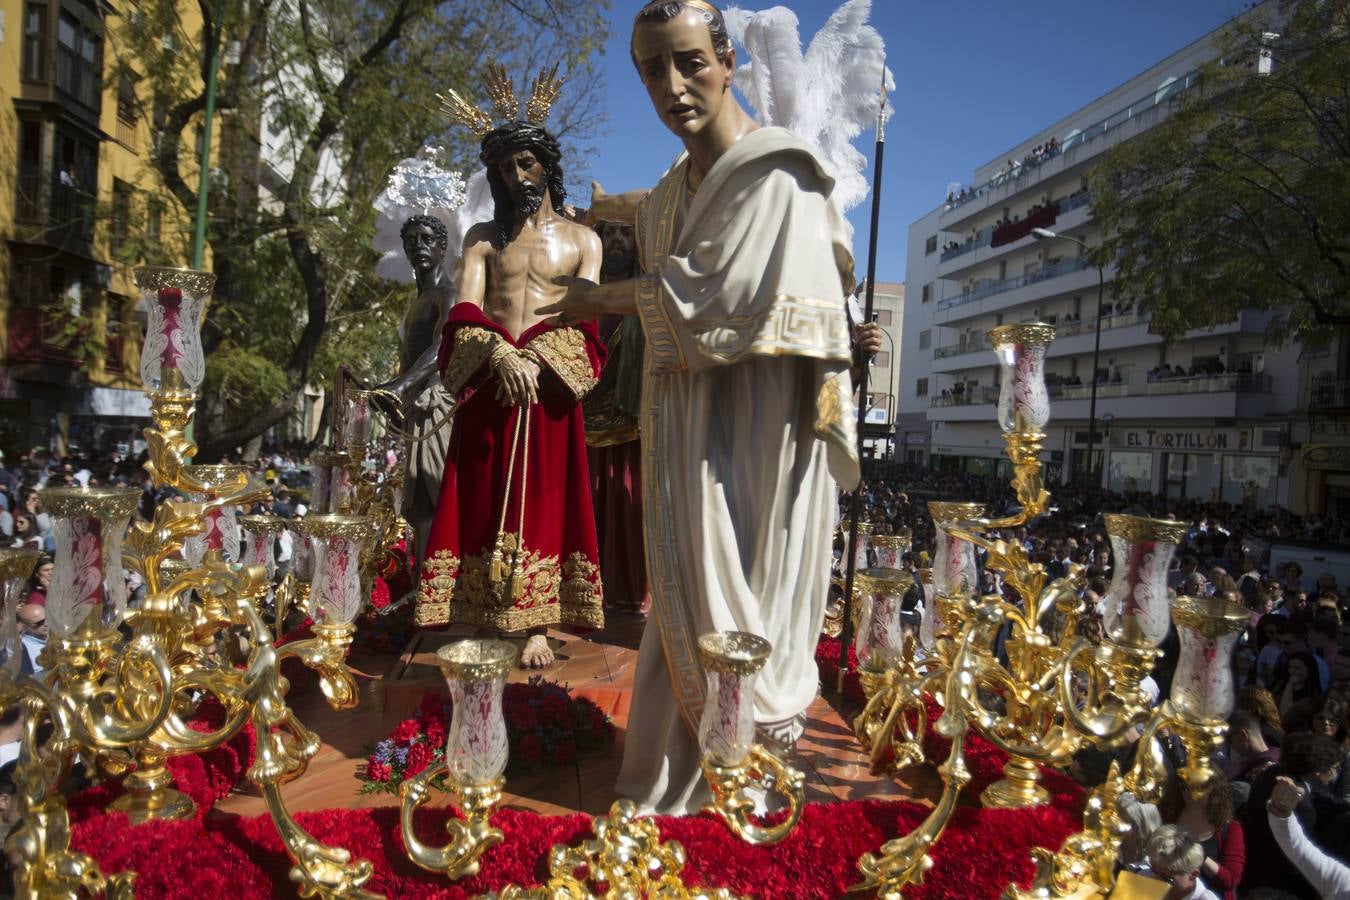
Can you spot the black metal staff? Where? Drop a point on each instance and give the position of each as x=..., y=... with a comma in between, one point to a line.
x=846, y=635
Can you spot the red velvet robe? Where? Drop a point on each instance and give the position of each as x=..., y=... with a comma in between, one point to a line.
x=557, y=578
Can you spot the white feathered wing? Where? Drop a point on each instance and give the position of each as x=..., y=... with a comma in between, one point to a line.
x=827, y=96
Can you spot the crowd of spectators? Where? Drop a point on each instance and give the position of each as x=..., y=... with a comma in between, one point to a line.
x=1034, y=157
x=1276, y=822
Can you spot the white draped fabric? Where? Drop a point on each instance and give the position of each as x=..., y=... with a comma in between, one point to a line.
x=748, y=423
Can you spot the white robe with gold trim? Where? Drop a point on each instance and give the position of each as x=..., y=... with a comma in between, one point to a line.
x=748, y=426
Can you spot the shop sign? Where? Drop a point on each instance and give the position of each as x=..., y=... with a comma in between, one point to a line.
x=1326, y=456
x=1329, y=426
x=1185, y=440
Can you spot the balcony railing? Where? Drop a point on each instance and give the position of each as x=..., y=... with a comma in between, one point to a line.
x=981, y=239
x=1328, y=392
x=1077, y=138
x=28, y=207
x=988, y=287
x=1233, y=382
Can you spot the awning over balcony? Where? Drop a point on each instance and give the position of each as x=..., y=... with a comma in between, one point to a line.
x=1041, y=218
x=105, y=402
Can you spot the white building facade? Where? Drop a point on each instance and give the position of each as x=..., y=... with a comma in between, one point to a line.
x=1207, y=416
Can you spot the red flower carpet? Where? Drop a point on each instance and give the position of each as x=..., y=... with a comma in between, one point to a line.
x=981, y=852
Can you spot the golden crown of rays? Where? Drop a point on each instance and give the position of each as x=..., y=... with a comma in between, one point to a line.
x=544, y=91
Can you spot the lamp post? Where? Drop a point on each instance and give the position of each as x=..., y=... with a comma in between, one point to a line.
x=1046, y=234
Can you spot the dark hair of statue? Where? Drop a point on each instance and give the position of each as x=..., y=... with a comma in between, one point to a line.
x=436, y=225
x=658, y=12
x=513, y=138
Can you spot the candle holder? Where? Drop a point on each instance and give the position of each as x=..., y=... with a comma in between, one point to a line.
x=890, y=549
x=1202, y=686
x=171, y=355
x=476, y=754
x=88, y=596
x=221, y=531
x=880, y=640
x=734, y=764
x=16, y=567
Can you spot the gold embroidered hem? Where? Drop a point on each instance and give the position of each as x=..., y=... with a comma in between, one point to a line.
x=473, y=347
x=563, y=350
x=463, y=592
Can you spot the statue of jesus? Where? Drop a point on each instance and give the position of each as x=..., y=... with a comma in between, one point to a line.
x=748, y=418
x=513, y=545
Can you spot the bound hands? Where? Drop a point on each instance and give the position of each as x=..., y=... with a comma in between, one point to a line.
x=517, y=379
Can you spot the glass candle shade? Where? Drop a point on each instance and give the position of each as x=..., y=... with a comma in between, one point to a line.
x=1023, y=401
x=889, y=549
x=337, y=542
x=879, y=641
x=16, y=567
x=732, y=660
x=304, y=554
x=175, y=300
x=1136, y=605
x=954, y=571
x=88, y=593
x=318, y=491
x=1202, y=686
x=476, y=750
x=260, y=541
x=931, y=622
x=220, y=527
x=864, y=544
x=334, y=475
x=358, y=421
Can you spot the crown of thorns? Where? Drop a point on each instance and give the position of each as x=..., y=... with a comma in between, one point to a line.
x=501, y=92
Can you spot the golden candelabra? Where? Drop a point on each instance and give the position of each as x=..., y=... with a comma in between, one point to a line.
x=120, y=684
x=1057, y=693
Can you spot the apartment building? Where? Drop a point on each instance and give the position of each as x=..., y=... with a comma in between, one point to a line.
x=1207, y=416
x=74, y=188
x=888, y=307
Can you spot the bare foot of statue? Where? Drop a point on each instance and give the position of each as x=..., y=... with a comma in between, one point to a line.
x=537, y=653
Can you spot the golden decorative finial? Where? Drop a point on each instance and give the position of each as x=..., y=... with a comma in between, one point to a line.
x=543, y=93
x=462, y=112
x=501, y=92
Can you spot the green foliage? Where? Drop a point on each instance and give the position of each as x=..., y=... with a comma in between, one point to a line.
x=334, y=93
x=1240, y=198
x=243, y=381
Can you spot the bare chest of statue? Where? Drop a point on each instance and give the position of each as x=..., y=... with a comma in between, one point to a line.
x=521, y=276
x=422, y=324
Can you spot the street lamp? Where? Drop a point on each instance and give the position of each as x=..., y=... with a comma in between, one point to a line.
x=1046, y=234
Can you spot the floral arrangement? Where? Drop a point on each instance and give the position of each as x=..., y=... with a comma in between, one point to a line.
x=546, y=728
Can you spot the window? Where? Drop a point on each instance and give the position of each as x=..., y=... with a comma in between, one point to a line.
x=29, y=188
x=927, y=292
x=126, y=98
x=154, y=214
x=79, y=61
x=74, y=182
x=925, y=340
x=921, y=388
x=930, y=245
x=35, y=42
x=120, y=222
x=882, y=359
x=883, y=317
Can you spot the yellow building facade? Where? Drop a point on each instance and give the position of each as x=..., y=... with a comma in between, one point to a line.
x=80, y=207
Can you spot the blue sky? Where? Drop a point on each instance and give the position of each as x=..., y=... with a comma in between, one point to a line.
x=973, y=78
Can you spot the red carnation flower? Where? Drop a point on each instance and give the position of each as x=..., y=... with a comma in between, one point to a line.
x=436, y=732
x=530, y=750
x=564, y=753
x=378, y=771
x=521, y=717
x=557, y=709
x=379, y=594
x=407, y=730
x=419, y=757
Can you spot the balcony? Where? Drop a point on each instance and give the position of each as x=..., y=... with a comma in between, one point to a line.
x=31, y=339
x=980, y=396
x=988, y=287
x=1327, y=392
x=1074, y=139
